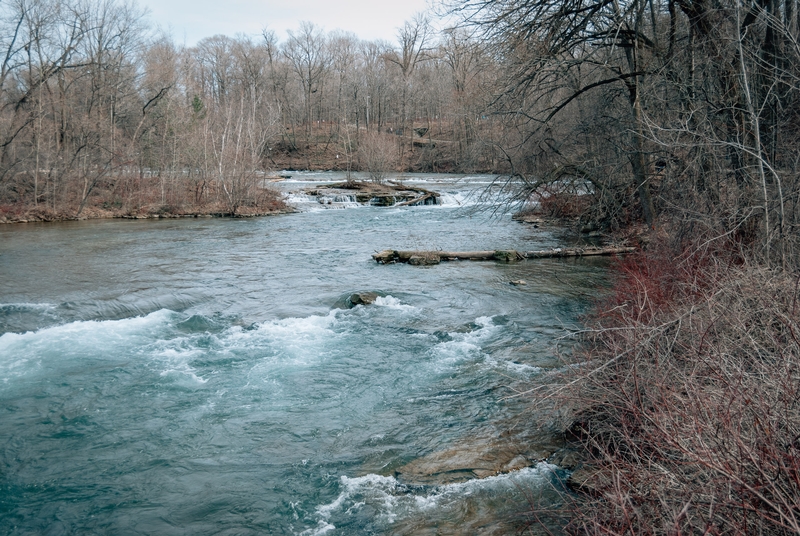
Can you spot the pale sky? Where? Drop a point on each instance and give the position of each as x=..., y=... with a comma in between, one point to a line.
x=188, y=21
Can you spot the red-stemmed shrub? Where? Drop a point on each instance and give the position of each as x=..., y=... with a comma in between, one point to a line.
x=687, y=399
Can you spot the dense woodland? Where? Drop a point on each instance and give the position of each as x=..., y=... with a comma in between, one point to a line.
x=98, y=111
x=680, y=117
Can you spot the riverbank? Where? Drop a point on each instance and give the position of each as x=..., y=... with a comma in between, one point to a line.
x=683, y=402
x=19, y=214
x=383, y=193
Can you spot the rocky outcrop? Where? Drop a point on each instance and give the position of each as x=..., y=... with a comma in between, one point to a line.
x=480, y=458
x=376, y=194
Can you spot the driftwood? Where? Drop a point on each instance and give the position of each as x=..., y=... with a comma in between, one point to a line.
x=509, y=255
x=417, y=200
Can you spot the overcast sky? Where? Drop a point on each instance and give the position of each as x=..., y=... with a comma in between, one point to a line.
x=188, y=21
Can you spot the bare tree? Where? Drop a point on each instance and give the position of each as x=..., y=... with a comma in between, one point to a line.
x=308, y=56
x=414, y=40
x=377, y=155
x=468, y=64
x=545, y=45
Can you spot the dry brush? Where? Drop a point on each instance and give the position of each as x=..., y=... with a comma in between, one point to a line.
x=688, y=405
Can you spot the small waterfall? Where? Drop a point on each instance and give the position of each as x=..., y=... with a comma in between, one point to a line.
x=383, y=201
x=339, y=199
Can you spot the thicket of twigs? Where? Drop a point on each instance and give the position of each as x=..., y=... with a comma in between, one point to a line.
x=688, y=403
x=679, y=117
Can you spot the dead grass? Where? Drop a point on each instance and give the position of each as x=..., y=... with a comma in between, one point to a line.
x=146, y=202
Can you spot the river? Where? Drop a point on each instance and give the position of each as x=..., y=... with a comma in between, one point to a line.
x=197, y=376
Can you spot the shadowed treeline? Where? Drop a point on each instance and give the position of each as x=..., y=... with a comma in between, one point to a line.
x=681, y=116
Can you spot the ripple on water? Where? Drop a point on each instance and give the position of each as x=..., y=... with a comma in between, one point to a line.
x=190, y=376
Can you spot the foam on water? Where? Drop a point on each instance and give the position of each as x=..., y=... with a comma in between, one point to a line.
x=23, y=352
x=295, y=338
x=391, y=501
x=185, y=374
x=153, y=336
x=343, y=200
x=312, y=203
x=304, y=202
x=390, y=302
x=289, y=342
x=464, y=345
x=521, y=368
x=14, y=307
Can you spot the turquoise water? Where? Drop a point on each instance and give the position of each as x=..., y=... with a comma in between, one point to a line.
x=196, y=376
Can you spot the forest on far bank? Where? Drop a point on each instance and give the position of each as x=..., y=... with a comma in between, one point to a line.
x=649, y=106
x=101, y=112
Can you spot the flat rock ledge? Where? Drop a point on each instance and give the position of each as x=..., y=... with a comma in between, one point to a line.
x=385, y=194
x=485, y=457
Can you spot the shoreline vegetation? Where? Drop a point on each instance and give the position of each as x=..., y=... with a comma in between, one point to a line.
x=683, y=401
x=154, y=214
x=142, y=213
x=266, y=202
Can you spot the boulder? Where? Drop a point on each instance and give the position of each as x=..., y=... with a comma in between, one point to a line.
x=362, y=298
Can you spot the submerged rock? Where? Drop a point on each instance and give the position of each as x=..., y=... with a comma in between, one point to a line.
x=480, y=458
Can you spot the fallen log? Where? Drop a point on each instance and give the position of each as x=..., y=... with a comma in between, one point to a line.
x=433, y=257
x=579, y=252
x=416, y=200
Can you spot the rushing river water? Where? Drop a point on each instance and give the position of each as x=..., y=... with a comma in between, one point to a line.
x=196, y=376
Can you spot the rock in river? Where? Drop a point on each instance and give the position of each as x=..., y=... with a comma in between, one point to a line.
x=361, y=298
x=480, y=457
